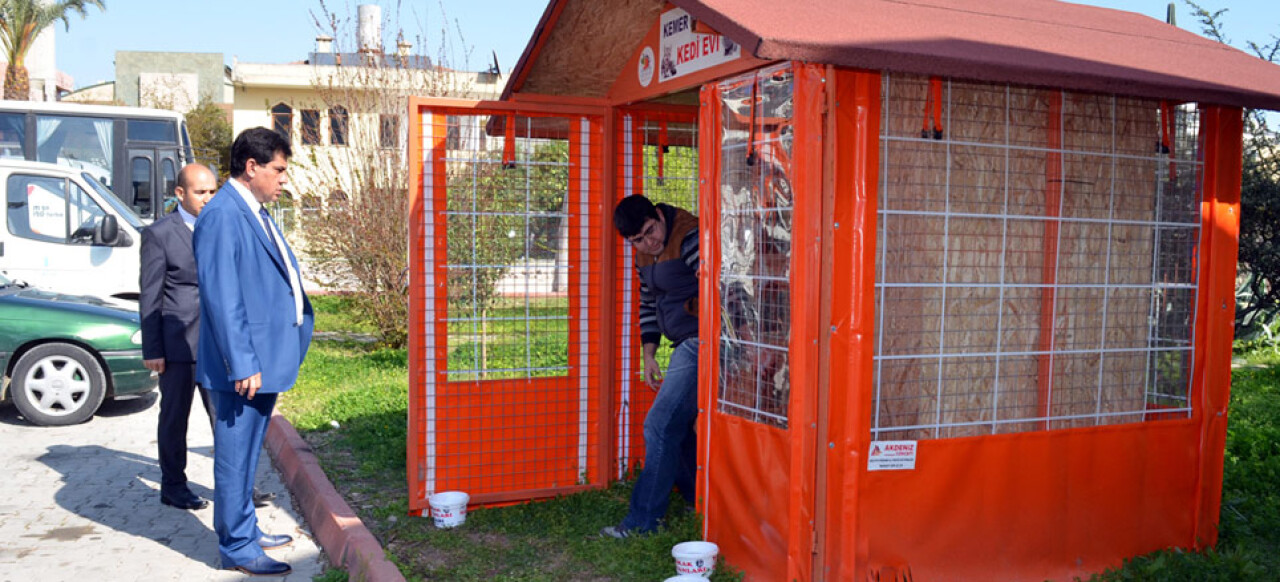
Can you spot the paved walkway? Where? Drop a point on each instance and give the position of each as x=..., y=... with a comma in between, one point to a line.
x=82, y=503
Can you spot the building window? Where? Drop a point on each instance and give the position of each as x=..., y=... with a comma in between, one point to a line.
x=338, y=200
x=453, y=132
x=389, y=131
x=282, y=120
x=310, y=202
x=338, y=121
x=310, y=127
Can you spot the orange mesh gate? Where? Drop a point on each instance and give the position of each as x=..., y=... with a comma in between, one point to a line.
x=505, y=302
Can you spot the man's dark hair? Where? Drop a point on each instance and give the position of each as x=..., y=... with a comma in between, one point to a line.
x=258, y=143
x=631, y=213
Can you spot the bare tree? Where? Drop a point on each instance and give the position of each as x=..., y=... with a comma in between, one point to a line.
x=352, y=214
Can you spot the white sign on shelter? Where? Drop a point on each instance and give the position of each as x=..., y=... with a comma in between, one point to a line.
x=892, y=456
x=685, y=51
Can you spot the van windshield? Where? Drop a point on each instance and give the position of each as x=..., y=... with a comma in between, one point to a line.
x=122, y=209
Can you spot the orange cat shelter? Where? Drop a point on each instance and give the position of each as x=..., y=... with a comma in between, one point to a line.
x=966, y=287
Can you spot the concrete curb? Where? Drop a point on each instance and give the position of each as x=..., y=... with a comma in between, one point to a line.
x=333, y=523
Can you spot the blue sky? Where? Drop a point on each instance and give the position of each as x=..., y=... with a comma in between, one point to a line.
x=281, y=31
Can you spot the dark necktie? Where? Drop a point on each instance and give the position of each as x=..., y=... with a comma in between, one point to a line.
x=271, y=232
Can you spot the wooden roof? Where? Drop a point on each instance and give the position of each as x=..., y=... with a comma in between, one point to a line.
x=580, y=46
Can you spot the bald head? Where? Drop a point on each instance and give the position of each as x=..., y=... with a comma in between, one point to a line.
x=196, y=185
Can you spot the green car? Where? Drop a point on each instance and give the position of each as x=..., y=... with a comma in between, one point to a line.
x=62, y=355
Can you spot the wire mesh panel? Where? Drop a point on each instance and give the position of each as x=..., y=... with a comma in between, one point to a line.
x=755, y=245
x=510, y=406
x=1036, y=259
x=657, y=157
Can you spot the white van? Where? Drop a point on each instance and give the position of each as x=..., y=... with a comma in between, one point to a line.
x=66, y=232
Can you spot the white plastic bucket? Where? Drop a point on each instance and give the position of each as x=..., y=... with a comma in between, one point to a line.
x=685, y=578
x=449, y=508
x=696, y=558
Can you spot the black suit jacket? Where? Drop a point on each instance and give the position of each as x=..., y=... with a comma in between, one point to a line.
x=170, y=296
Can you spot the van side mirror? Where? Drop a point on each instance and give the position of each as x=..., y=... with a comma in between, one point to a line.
x=107, y=233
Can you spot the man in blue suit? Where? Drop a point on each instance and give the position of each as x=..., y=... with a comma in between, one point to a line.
x=255, y=329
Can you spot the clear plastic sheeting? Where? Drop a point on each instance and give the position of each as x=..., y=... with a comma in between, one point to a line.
x=756, y=207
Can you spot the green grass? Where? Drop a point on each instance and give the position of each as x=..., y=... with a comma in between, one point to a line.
x=334, y=314
x=512, y=341
x=364, y=389
x=546, y=540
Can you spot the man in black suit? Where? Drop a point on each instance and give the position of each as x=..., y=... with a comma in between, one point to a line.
x=169, y=304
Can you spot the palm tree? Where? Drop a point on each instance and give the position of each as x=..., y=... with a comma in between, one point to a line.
x=21, y=21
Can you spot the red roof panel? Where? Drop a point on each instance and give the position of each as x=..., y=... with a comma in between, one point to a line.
x=1036, y=42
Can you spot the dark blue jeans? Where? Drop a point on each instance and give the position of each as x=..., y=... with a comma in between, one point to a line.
x=670, y=443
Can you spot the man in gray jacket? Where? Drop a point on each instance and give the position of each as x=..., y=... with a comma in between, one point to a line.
x=666, y=242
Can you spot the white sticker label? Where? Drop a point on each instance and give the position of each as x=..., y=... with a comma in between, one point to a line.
x=46, y=212
x=892, y=456
x=644, y=69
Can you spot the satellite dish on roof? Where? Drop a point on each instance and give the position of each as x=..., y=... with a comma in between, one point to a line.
x=495, y=70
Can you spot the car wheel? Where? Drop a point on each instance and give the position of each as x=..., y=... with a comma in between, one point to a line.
x=57, y=385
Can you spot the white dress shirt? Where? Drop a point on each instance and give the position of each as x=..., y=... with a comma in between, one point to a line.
x=187, y=218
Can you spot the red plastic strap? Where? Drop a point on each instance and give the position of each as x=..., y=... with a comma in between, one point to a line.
x=932, y=108
x=509, y=143
x=935, y=87
x=751, y=133
x=1168, y=124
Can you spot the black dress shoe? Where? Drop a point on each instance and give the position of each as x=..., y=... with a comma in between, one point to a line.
x=272, y=542
x=262, y=498
x=189, y=501
x=263, y=566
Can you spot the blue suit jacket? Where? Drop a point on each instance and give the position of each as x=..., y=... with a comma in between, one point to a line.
x=247, y=321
